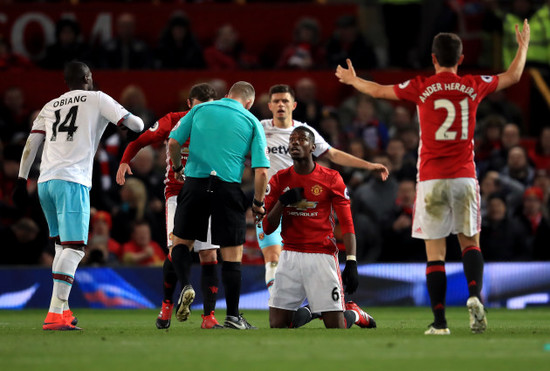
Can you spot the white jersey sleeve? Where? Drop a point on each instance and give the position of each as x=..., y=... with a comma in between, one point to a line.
x=73, y=125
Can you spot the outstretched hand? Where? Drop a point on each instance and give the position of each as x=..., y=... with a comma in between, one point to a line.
x=381, y=170
x=524, y=36
x=123, y=168
x=346, y=75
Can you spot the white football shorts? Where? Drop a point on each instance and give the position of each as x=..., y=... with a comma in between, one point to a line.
x=445, y=206
x=306, y=275
x=171, y=204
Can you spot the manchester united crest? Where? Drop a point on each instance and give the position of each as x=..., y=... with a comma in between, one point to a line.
x=316, y=190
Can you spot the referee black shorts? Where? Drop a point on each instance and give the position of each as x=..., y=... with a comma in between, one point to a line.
x=202, y=198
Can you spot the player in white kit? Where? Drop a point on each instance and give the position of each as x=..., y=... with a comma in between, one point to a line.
x=70, y=127
x=277, y=132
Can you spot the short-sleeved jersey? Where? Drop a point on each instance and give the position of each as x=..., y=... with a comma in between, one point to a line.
x=158, y=133
x=308, y=225
x=277, y=144
x=73, y=125
x=222, y=133
x=447, y=106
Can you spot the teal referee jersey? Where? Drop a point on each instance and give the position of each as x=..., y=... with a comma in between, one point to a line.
x=222, y=133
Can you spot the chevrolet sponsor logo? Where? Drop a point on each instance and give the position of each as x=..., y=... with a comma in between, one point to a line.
x=304, y=205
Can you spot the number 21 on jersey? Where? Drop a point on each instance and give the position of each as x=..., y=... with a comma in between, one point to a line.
x=443, y=133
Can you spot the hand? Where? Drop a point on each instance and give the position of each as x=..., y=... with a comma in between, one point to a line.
x=20, y=194
x=381, y=170
x=258, y=212
x=291, y=196
x=179, y=176
x=524, y=36
x=123, y=169
x=350, y=277
x=344, y=75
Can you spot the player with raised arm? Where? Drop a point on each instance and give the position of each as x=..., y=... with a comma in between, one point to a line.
x=447, y=198
x=70, y=128
x=277, y=131
x=301, y=199
x=159, y=133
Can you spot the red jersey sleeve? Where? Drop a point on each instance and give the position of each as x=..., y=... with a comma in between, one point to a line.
x=486, y=84
x=341, y=204
x=409, y=90
x=156, y=134
x=271, y=197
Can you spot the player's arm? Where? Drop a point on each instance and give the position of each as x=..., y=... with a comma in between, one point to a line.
x=345, y=159
x=514, y=72
x=20, y=194
x=349, y=77
x=147, y=138
x=341, y=204
x=178, y=136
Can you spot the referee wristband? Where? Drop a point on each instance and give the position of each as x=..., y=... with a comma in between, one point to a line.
x=351, y=257
x=257, y=203
x=177, y=169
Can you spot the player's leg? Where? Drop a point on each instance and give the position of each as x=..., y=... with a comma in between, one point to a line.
x=323, y=287
x=436, y=280
x=335, y=320
x=467, y=223
x=72, y=205
x=472, y=261
x=280, y=318
x=170, y=278
x=67, y=313
x=288, y=293
x=432, y=222
x=208, y=255
x=271, y=246
x=190, y=224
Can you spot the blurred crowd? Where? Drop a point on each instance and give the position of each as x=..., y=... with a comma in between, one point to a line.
x=127, y=223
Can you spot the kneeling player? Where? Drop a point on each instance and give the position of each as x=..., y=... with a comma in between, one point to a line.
x=302, y=198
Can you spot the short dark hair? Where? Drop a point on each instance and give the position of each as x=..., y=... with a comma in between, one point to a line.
x=202, y=92
x=281, y=88
x=447, y=48
x=75, y=73
x=307, y=130
x=243, y=90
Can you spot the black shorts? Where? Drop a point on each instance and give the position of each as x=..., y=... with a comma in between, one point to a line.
x=202, y=198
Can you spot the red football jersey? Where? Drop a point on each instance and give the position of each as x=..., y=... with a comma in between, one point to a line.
x=308, y=225
x=447, y=106
x=158, y=133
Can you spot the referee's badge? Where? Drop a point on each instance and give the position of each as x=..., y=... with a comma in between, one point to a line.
x=316, y=190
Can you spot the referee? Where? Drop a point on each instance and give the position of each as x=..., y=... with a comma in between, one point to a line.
x=221, y=134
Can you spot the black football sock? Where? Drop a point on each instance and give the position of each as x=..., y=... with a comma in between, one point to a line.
x=472, y=260
x=231, y=278
x=182, y=260
x=209, y=286
x=349, y=315
x=170, y=280
x=301, y=317
x=436, y=280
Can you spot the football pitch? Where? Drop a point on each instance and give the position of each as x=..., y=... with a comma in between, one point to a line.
x=128, y=340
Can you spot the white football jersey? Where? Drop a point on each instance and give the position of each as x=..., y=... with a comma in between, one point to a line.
x=277, y=145
x=73, y=125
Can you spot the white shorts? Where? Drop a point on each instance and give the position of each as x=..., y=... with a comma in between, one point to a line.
x=445, y=206
x=171, y=204
x=305, y=275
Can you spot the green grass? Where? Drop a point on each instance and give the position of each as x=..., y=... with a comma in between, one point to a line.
x=129, y=340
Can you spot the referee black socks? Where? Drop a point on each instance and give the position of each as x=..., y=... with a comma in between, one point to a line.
x=231, y=278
